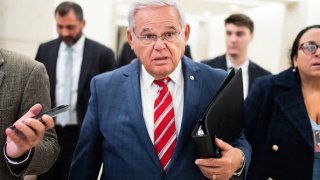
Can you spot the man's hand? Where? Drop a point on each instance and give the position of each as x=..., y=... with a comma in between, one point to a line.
x=31, y=132
x=224, y=167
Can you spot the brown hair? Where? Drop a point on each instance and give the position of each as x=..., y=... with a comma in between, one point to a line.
x=240, y=20
x=64, y=8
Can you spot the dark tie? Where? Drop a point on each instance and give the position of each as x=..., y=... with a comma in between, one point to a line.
x=164, y=124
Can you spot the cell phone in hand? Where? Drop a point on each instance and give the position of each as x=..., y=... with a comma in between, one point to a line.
x=51, y=112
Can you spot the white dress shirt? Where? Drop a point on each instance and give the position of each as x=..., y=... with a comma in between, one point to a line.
x=149, y=92
x=77, y=56
x=245, y=74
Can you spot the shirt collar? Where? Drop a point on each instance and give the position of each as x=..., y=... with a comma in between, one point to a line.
x=176, y=76
x=78, y=46
x=244, y=66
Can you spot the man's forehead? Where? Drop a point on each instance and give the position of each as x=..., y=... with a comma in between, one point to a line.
x=153, y=16
x=242, y=29
x=230, y=27
x=158, y=28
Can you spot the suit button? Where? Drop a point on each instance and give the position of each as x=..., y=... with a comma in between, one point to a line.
x=269, y=178
x=275, y=148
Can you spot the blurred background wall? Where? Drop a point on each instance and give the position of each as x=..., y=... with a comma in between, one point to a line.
x=26, y=24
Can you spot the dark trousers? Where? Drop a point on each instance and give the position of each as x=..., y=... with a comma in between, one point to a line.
x=67, y=137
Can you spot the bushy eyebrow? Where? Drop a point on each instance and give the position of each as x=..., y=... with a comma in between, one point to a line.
x=146, y=30
x=150, y=30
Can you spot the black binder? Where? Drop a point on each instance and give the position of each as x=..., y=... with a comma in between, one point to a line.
x=224, y=117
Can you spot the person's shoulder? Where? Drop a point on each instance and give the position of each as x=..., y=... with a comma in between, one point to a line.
x=204, y=69
x=215, y=60
x=285, y=78
x=116, y=74
x=17, y=61
x=97, y=46
x=272, y=85
x=15, y=57
x=51, y=43
x=207, y=68
x=260, y=70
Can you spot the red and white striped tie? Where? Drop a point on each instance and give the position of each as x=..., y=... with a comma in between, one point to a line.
x=164, y=124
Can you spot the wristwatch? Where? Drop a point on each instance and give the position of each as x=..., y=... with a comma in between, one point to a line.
x=243, y=162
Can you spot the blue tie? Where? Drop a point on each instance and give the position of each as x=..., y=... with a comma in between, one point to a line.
x=64, y=118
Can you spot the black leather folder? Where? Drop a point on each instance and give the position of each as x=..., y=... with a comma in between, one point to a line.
x=224, y=117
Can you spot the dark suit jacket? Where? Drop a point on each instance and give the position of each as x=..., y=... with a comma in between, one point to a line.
x=254, y=69
x=23, y=83
x=126, y=55
x=96, y=59
x=276, y=116
x=114, y=130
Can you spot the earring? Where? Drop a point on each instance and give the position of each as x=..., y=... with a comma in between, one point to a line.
x=294, y=69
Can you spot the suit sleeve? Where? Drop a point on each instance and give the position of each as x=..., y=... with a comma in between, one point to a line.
x=37, y=91
x=245, y=147
x=88, y=150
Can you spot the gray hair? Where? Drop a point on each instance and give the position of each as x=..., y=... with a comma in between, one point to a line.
x=141, y=4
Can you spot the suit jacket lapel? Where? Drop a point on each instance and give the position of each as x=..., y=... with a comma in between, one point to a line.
x=296, y=111
x=192, y=87
x=52, y=67
x=222, y=62
x=251, y=73
x=53, y=58
x=133, y=94
x=85, y=66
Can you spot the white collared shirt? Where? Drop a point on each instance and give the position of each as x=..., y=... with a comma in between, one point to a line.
x=77, y=56
x=245, y=74
x=149, y=94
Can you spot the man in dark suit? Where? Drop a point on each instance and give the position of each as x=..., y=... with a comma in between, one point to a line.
x=239, y=33
x=88, y=58
x=141, y=116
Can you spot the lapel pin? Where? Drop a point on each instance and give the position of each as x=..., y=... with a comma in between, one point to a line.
x=191, y=77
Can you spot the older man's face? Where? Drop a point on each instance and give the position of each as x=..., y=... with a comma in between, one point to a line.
x=160, y=56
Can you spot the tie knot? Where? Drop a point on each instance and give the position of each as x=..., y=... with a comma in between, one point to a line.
x=163, y=82
x=69, y=49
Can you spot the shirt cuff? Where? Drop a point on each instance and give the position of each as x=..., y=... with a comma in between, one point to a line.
x=21, y=161
x=243, y=163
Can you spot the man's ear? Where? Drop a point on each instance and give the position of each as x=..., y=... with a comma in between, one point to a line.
x=252, y=36
x=83, y=23
x=187, y=32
